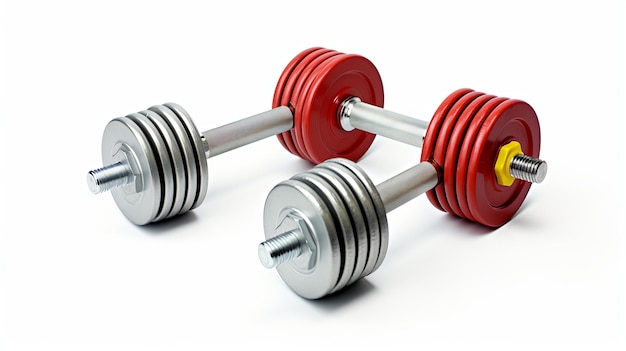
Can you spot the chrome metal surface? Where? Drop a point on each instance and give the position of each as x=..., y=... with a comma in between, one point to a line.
x=364, y=201
x=248, y=130
x=179, y=153
x=528, y=168
x=376, y=120
x=192, y=172
x=176, y=157
x=199, y=152
x=282, y=248
x=407, y=185
x=164, y=163
x=357, y=220
x=344, y=205
x=378, y=205
x=346, y=112
x=109, y=177
x=343, y=224
x=314, y=276
x=123, y=140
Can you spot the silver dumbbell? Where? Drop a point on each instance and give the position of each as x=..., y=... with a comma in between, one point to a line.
x=327, y=227
x=155, y=159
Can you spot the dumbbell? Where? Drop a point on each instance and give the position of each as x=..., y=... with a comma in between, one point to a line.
x=327, y=227
x=155, y=160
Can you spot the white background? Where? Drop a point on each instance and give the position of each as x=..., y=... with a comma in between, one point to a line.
x=76, y=275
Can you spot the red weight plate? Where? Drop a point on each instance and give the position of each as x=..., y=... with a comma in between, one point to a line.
x=282, y=81
x=433, y=131
x=284, y=89
x=466, y=151
x=288, y=99
x=304, y=78
x=336, y=80
x=443, y=141
x=491, y=203
x=453, y=149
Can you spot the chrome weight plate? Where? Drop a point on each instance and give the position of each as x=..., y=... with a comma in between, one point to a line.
x=379, y=206
x=359, y=227
x=163, y=160
x=124, y=141
x=176, y=156
x=320, y=276
x=367, y=208
x=343, y=223
x=185, y=144
x=200, y=151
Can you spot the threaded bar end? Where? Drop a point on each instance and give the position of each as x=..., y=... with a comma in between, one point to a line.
x=528, y=168
x=108, y=177
x=280, y=249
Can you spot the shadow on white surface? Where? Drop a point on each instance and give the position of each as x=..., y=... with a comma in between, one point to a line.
x=170, y=225
x=344, y=297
